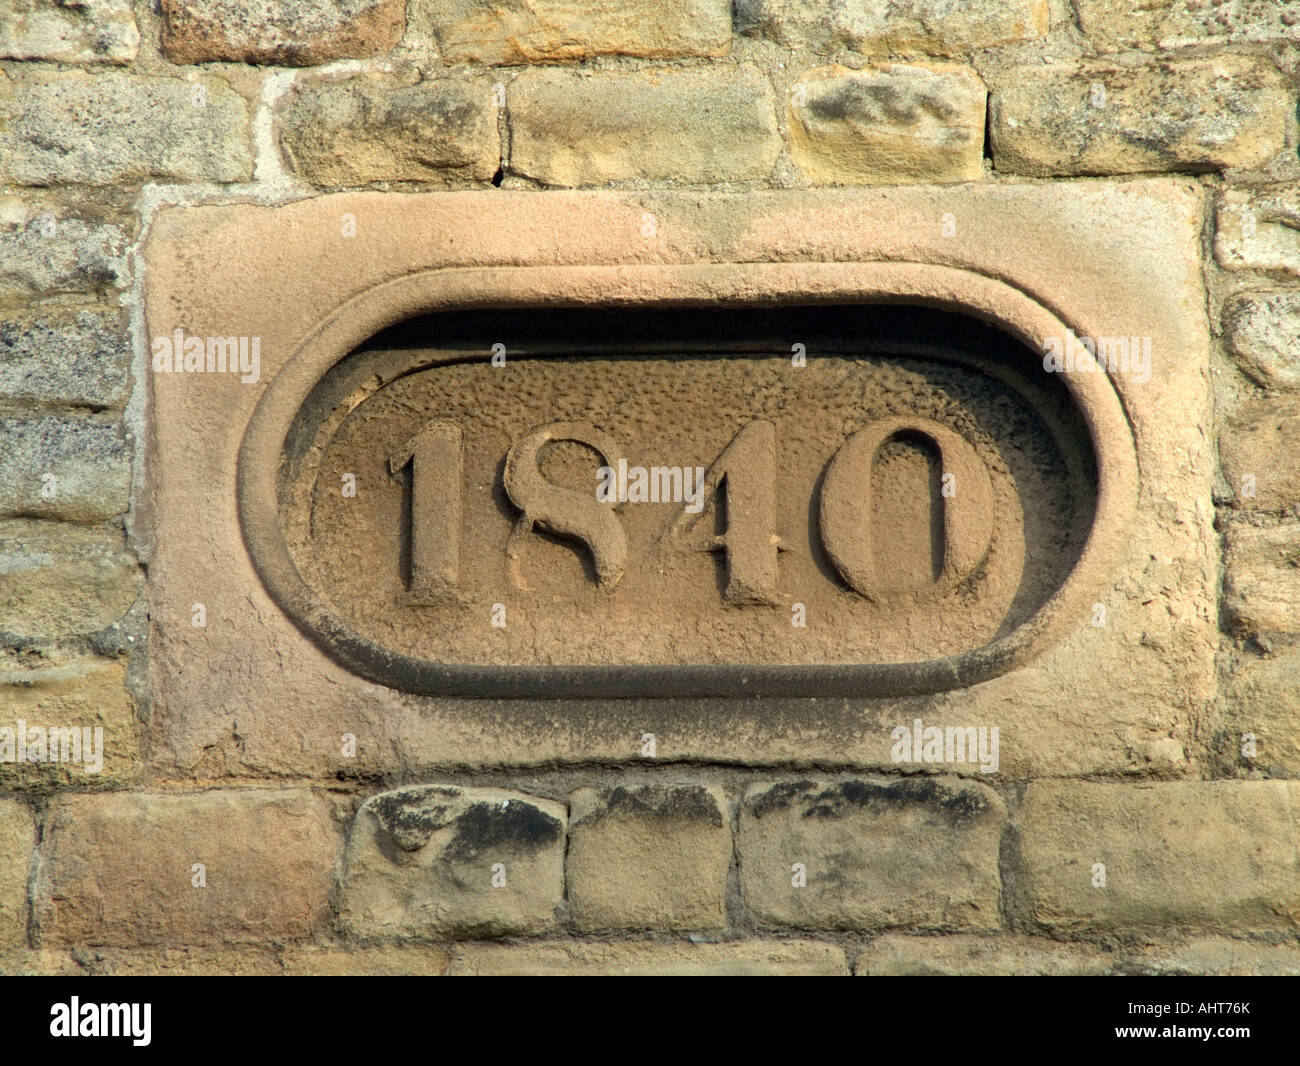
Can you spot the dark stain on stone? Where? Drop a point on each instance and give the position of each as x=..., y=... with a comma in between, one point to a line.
x=412, y=815
x=959, y=806
x=490, y=828
x=689, y=802
x=777, y=798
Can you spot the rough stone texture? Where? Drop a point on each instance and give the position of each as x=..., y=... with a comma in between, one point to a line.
x=247, y=961
x=17, y=843
x=1259, y=229
x=1263, y=700
x=1216, y=957
x=45, y=250
x=1192, y=115
x=1218, y=856
x=898, y=955
x=1261, y=584
x=648, y=856
x=965, y=955
x=285, y=32
x=937, y=27
x=78, y=357
x=374, y=128
x=570, y=128
x=1166, y=24
x=117, y=869
x=423, y=961
x=59, y=580
x=88, y=458
x=547, y=31
x=66, y=691
x=1262, y=330
x=576, y=958
x=111, y=127
x=1260, y=440
x=87, y=31
x=877, y=854
x=897, y=123
x=421, y=863
x=1115, y=699
x=21, y=962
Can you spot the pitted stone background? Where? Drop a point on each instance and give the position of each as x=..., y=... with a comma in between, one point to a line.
x=118, y=116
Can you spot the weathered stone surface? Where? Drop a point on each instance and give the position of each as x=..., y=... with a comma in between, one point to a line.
x=61, y=580
x=1215, y=957
x=1176, y=23
x=1257, y=451
x=113, y=127
x=1102, y=700
x=185, y=961
x=77, y=357
x=966, y=955
x=287, y=32
x=45, y=250
x=875, y=853
x=17, y=844
x=87, y=31
x=1262, y=713
x=118, y=869
x=68, y=693
x=1206, y=855
x=427, y=960
x=374, y=128
x=22, y=962
x=442, y=861
x=896, y=123
x=78, y=469
x=1259, y=229
x=649, y=857
x=576, y=958
x=569, y=128
x=936, y=27
x=546, y=31
x=1261, y=583
x=1263, y=332
x=1191, y=115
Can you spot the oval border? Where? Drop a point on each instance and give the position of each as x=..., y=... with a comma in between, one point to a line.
x=694, y=285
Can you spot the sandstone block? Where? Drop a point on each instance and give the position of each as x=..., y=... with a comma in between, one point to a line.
x=111, y=128
x=372, y=128
x=77, y=357
x=569, y=128
x=435, y=861
x=1207, y=855
x=287, y=32
x=547, y=31
x=872, y=854
x=934, y=27
x=1259, y=229
x=649, y=856
x=576, y=958
x=77, y=469
x=893, y=124
x=120, y=869
x=1263, y=332
x=17, y=844
x=89, y=31
x=1257, y=452
x=1191, y=115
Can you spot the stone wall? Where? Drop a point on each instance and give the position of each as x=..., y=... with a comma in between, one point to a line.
x=120, y=117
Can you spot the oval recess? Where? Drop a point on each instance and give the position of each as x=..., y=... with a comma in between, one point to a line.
x=375, y=582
